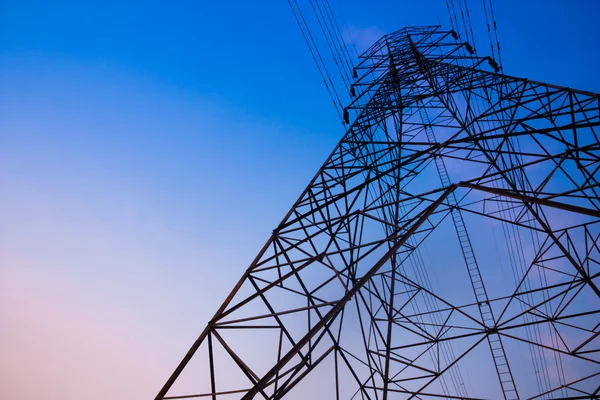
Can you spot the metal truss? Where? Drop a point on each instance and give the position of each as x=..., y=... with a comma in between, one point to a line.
x=372, y=286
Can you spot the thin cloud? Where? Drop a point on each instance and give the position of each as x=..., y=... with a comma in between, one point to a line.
x=361, y=38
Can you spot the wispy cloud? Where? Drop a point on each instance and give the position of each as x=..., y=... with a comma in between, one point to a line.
x=362, y=38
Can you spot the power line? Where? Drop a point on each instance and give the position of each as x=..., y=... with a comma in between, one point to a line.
x=318, y=60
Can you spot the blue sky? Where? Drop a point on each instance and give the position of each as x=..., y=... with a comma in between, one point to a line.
x=147, y=151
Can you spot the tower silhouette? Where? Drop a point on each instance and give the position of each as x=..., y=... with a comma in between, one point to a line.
x=447, y=248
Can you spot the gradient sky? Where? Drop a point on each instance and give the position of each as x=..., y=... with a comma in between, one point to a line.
x=147, y=151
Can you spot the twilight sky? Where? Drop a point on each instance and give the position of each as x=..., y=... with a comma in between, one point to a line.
x=147, y=151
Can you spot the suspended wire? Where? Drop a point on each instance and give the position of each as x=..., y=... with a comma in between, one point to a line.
x=464, y=56
x=554, y=337
x=361, y=102
x=538, y=357
x=328, y=40
x=512, y=236
x=341, y=39
x=487, y=21
x=517, y=259
x=496, y=33
x=456, y=28
x=455, y=19
x=324, y=65
x=464, y=23
x=316, y=56
x=336, y=45
x=349, y=33
x=518, y=263
x=450, y=17
x=470, y=26
x=455, y=371
x=422, y=278
x=341, y=44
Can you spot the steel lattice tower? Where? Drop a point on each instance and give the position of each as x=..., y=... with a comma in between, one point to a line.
x=447, y=248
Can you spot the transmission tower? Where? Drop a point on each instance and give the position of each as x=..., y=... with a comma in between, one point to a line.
x=447, y=248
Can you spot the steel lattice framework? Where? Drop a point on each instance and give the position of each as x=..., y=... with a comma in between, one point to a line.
x=447, y=248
